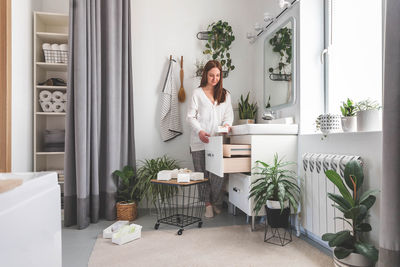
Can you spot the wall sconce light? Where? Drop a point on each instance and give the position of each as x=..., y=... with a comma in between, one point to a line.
x=268, y=17
x=284, y=4
x=258, y=27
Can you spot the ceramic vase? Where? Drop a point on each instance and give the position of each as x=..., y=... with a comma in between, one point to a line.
x=353, y=260
x=330, y=123
x=349, y=124
x=369, y=120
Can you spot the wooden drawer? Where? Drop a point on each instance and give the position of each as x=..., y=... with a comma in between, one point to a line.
x=230, y=150
x=217, y=164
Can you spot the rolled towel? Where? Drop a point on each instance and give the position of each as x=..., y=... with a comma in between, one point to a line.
x=63, y=47
x=55, y=47
x=57, y=96
x=45, y=95
x=58, y=106
x=47, y=106
x=46, y=46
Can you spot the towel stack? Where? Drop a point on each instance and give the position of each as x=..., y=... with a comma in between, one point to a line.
x=53, y=102
x=54, y=140
x=55, y=53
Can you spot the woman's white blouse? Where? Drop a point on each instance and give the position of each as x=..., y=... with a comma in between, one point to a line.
x=203, y=115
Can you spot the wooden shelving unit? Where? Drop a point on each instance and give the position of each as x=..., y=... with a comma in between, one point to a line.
x=49, y=28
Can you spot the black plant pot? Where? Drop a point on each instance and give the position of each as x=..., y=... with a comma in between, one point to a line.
x=276, y=219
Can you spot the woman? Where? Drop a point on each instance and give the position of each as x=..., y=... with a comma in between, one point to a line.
x=209, y=108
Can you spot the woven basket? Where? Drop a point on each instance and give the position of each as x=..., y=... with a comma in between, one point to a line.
x=126, y=211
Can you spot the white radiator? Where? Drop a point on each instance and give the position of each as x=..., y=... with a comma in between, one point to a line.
x=318, y=213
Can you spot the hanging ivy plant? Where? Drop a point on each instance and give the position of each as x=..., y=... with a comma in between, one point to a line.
x=282, y=44
x=220, y=38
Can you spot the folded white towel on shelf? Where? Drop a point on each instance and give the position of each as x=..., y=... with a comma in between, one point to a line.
x=58, y=106
x=57, y=96
x=45, y=95
x=46, y=106
x=55, y=47
x=183, y=178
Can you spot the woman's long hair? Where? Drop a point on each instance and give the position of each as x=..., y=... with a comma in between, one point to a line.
x=219, y=91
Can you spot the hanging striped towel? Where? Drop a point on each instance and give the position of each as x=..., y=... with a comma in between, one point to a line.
x=170, y=123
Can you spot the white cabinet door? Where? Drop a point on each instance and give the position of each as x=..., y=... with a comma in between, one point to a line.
x=214, y=156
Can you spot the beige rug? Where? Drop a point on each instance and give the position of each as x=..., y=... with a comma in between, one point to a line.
x=220, y=246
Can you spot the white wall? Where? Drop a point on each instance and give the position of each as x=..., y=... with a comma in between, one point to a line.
x=163, y=28
x=368, y=145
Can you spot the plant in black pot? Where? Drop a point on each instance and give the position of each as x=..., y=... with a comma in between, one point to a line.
x=277, y=189
x=127, y=196
x=351, y=247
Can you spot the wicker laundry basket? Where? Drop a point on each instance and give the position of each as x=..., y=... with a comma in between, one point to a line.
x=126, y=211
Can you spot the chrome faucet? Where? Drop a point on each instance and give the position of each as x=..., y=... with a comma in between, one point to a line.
x=269, y=115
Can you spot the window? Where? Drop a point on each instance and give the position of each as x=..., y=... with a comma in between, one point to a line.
x=353, y=38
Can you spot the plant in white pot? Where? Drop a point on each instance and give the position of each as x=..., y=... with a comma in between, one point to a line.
x=328, y=123
x=351, y=248
x=247, y=111
x=277, y=189
x=369, y=116
x=349, y=119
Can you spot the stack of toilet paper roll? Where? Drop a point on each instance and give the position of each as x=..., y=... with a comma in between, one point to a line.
x=53, y=102
x=55, y=53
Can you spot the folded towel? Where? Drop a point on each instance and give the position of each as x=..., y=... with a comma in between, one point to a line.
x=8, y=184
x=170, y=120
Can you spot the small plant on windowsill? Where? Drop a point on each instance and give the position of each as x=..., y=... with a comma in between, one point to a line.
x=369, y=115
x=328, y=123
x=349, y=119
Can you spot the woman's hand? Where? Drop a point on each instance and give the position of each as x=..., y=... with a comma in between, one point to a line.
x=204, y=136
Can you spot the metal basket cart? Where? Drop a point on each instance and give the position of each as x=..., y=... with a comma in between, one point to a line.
x=184, y=208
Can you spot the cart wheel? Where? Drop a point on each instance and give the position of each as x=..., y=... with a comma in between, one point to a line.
x=156, y=226
x=180, y=231
x=200, y=224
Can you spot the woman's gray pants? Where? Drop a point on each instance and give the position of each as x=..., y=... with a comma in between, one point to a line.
x=214, y=185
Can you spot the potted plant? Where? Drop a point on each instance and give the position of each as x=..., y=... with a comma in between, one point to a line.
x=127, y=197
x=276, y=189
x=328, y=123
x=220, y=38
x=349, y=119
x=199, y=68
x=147, y=171
x=281, y=43
x=247, y=111
x=351, y=249
x=369, y=116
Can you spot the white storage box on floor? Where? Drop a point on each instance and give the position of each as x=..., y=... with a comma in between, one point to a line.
x=30, y=221
x=127, y=233
x=114, y=228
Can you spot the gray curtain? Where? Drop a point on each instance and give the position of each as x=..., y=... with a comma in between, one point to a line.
x=99, y=122
x=389, y=251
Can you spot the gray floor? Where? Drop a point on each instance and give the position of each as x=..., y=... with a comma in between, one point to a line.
x=77, y=245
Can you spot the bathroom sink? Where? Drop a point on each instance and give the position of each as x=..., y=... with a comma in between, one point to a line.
x=265, y=129
x=287, y=120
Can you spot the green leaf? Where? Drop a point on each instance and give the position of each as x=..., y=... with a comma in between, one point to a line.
x=366, y=194
x=369, y=202
x=340, y=201
x=364, y=227
x=338, y=238
x=354, y=169
x=367, y=250
x=337, y=181
x=341, y=252
x=355, y=212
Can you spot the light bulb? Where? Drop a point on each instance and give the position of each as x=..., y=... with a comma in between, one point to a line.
x=268, y=17
x=284, y=4
x=257, y=27
x=250, y=35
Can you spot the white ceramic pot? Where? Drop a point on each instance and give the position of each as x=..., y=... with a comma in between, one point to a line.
x=349, y=124
x=330, y=123
x=369, y=120
x=246, y=121
x=353, y=260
